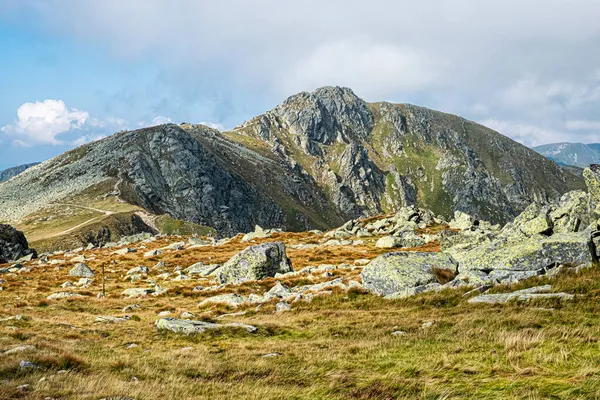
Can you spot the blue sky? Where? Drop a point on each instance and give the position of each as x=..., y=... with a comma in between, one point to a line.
x=73, y=71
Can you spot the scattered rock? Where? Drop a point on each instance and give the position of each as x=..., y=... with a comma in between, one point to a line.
x=64, y=295
x=538, y=292
x=19, y=349
x=192, y=327
x=230, y=299
x=282, y=306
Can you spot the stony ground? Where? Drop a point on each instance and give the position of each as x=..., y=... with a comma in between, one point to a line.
x=343, y=344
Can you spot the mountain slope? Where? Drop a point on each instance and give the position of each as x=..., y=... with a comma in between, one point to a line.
x=377, y=157
x=575, y=154
x=14, y=171
x=314, y=161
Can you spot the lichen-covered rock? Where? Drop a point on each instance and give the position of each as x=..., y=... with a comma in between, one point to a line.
x=202, y=270
x=64, y=295
x=396, y=273
x=138, y=292
x=575, y=212
x=388, y=242
x=534, y=293
x=229, y=299
x=255, y=263
x=189, y=327
x=462, y=221
x=81, y=270
x=259, y=233
x=528, y=254
x=592, y=180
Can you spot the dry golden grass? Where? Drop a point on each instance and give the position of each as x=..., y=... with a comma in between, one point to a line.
x=336, y=347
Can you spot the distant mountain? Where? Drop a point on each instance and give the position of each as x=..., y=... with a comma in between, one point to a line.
x=575, y=154
x=315, y=161
x=14, y=171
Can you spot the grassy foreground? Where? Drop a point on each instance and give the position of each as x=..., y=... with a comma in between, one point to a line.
x=336, y=347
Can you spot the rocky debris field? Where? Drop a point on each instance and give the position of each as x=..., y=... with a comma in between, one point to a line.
x=371, y=309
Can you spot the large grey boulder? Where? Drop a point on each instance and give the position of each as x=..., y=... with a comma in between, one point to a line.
x=13, y=244
x=255, y=263
x=396, y=273
x=189, y=327
x=81, y=270
x=531, y=254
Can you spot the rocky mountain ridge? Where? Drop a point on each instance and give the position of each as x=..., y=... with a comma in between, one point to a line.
x=314, y=161
x=574, y=154
x=14, y=171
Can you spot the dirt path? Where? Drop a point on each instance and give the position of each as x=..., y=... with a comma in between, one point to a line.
x=105, y=212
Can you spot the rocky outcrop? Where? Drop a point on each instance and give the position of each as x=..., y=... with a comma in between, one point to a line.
x=405, y=272
x=256, y=262
x=13, y=245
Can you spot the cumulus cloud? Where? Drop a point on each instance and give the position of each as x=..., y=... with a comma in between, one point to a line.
x=52, y=122
x=41, y=122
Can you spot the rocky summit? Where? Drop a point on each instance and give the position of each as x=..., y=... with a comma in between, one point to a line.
x=313, y=162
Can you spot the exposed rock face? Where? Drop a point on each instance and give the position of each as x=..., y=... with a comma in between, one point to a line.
x=13, y=244
x=383, y=156
x=256, y=262
x=395, y=273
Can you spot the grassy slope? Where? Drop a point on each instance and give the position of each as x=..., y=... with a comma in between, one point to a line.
x=337, y=347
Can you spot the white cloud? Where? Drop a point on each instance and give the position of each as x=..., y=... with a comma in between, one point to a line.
x=371, y=69
x=86, y=139
x=531, y=135
x=213, y=125
x=41, y=122
x=583, y=125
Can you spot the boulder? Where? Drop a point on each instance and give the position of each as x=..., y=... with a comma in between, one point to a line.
x=575, y=212
x=462, y=221
x=81, y=270
x=190, y=327
x=13, y=245
x=592, y=180
x=531, y=254
x=64, y=295
x=230, y=299
x=259, y=233
x=406, y=240
x=534, y=293
x=138, y=292
x=397, y=273
x=202, y=270
x=256, y=262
